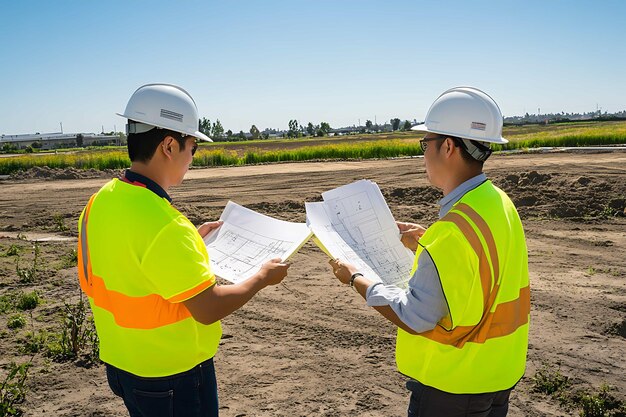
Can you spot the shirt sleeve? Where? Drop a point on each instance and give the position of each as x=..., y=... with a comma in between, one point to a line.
x=422, y=305
x=177, y=262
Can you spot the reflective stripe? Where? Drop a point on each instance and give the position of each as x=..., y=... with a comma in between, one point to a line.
x=483, y=264
x=487, y=235
x=506, y=319
x=508, y=316
x=145, y=312
x=83, y=251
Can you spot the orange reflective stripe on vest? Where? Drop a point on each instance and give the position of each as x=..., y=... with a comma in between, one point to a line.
x=145, y=312
x=508, y=316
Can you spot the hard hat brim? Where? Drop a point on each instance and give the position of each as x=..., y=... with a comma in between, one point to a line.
x=202, y=136
x=423, y=128
x=197, y=134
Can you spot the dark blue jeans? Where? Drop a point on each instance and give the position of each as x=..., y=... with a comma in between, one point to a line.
x=190, y=393
x=430, y=402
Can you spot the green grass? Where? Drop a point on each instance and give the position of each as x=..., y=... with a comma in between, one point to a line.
x=383, y=145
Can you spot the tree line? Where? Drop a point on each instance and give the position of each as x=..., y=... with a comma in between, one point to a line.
x=216, y=131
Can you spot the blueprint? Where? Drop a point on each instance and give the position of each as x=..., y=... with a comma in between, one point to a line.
x=354, y=224
x=247, y=239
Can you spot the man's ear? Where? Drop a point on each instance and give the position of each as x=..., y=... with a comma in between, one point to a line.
x=449, y=143
x=167, y=146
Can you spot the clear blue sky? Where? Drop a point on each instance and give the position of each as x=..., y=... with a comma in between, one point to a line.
x=265, y=62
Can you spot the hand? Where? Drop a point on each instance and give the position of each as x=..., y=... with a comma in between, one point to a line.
x=273, y=271
x=343, y=271
x=206, y=228
x=411, y=234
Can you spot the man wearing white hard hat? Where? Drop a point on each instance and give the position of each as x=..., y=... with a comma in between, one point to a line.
x=463, y=320
x=145, y=268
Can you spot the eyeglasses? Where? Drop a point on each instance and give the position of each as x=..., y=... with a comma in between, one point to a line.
x=424, y=142
x=194, y=148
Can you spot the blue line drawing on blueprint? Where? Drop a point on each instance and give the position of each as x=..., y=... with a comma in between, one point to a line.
x=247, y=239
x=355, y=224
x=239, y=252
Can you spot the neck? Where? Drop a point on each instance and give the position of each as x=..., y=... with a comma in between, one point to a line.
x=459, y=178
x=151, y=171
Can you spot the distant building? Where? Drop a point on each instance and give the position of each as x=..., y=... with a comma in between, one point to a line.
x=60, y=140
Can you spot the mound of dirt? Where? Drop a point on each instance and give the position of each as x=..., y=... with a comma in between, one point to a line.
x=47, y=173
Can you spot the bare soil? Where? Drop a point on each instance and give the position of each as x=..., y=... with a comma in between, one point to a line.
x=311, y=346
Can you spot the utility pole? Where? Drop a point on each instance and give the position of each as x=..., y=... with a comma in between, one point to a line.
x=61, y=123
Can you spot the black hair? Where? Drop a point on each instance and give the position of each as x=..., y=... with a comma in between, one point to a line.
x=141, y=146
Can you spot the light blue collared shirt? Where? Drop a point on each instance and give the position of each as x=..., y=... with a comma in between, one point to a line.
x=422, y=304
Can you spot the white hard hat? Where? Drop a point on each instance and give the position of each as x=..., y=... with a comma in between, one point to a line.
x=465, y=112
x=163, y=105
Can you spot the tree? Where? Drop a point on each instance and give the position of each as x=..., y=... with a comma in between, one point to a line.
x=395, y=124
x=9, y=147
x=407, y=125
x=294, y=129
x=310, y=129
x=241, y=135
x=205, y=126
x=323, y=129
x=79, y=140
x=368, y=125
x=217, y=131
x=254, y=131
x=229, y=134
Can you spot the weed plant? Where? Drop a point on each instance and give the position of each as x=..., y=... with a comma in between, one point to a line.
x=7, y=302
x=16, y=321
x=598, y=404
x=77, y=333
x=13, y=389
x=29, y=274
x=28, y=301
x=70, y=259
x=34, y=342
x=548, y=380
x=13, y=250
x=59, y=223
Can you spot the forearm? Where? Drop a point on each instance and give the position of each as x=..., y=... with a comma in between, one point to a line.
x=229, y=298
x=219, y=301
x=361, y=284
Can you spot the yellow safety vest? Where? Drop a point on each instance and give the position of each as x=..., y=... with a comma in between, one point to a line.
x=138, y=260
x=480, y=253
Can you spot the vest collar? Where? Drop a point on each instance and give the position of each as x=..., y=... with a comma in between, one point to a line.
x=142, y=181
x=451, y=199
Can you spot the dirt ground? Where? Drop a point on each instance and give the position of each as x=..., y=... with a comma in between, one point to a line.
x=311, y=346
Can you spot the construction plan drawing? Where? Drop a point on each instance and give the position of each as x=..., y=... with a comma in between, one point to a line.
x=354, y=224
x=248, y=239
